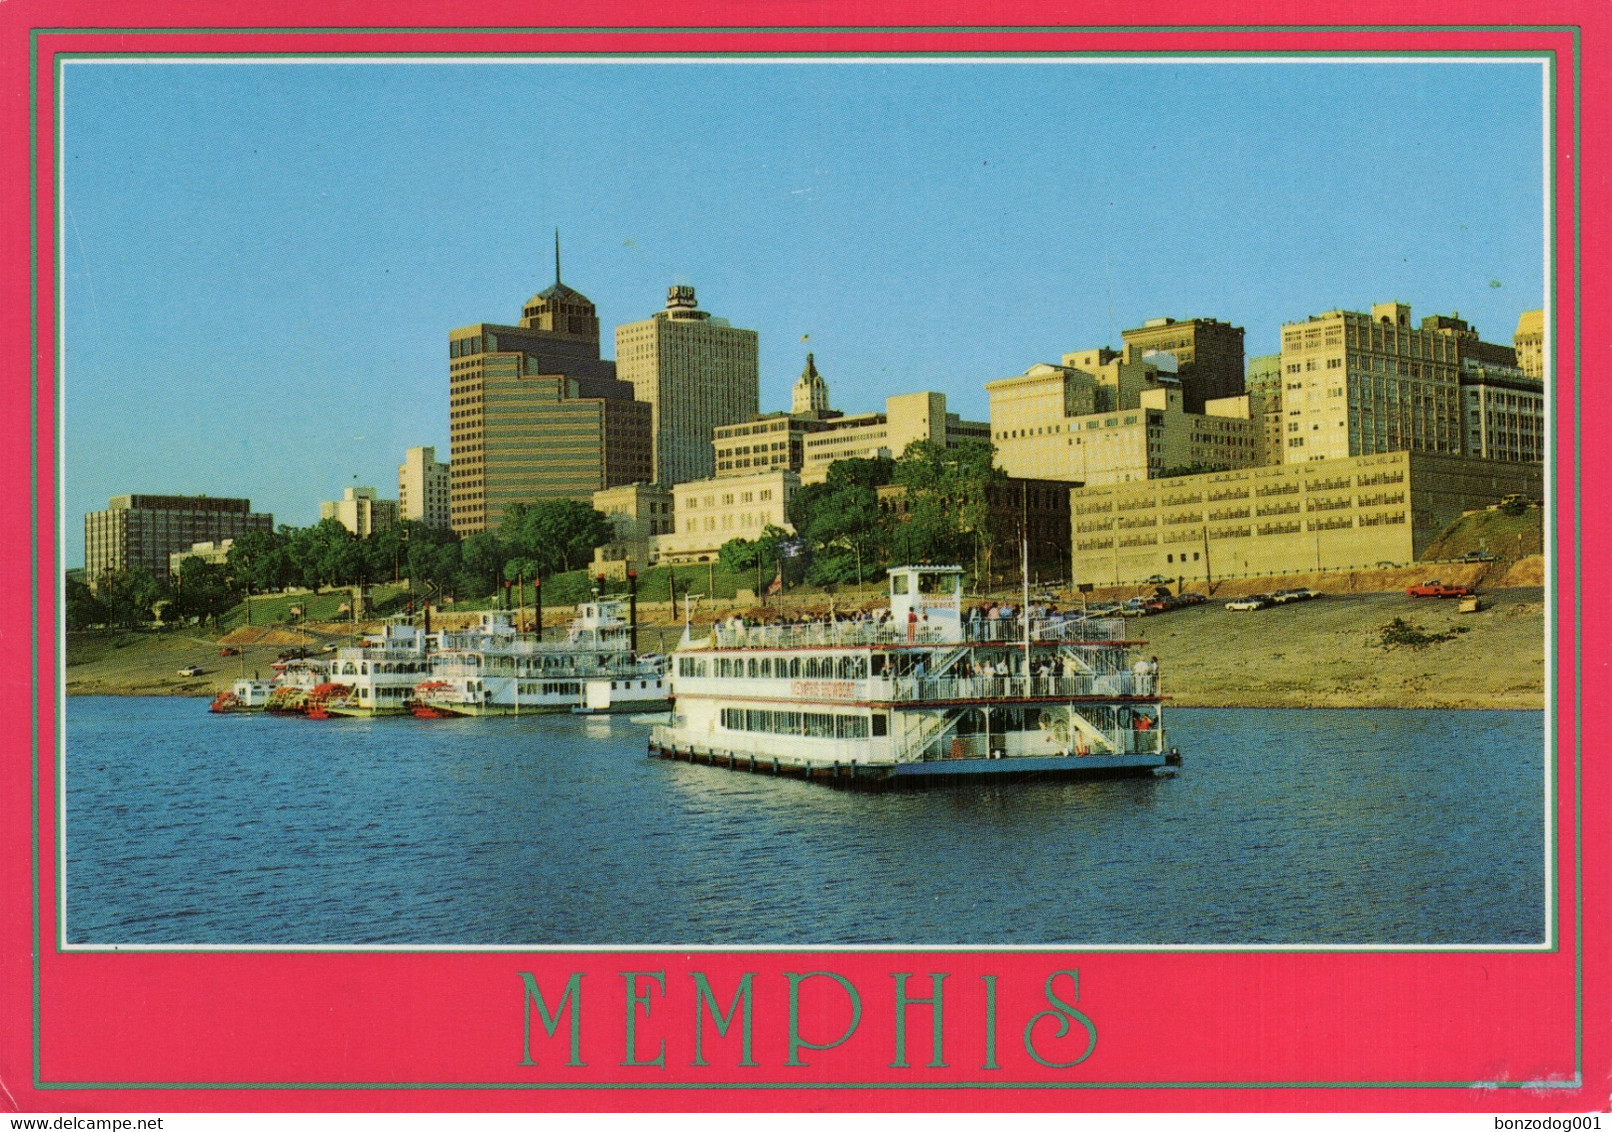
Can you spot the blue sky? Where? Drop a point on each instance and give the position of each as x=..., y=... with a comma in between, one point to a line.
x=262, y=261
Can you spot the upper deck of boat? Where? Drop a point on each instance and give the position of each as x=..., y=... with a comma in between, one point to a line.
x=889, y=634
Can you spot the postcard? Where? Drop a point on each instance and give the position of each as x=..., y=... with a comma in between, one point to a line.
x=992, y=560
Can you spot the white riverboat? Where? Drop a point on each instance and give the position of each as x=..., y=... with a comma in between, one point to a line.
x=918, y=693
x=492, y=669
x=374, y=678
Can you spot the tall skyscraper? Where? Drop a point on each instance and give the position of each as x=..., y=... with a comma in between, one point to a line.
x=422, y=488
x=535, y=413
x=696, y=372
x=139, y=532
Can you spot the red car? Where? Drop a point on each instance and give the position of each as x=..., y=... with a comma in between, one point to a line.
x=1436, y=588
x=229, y=650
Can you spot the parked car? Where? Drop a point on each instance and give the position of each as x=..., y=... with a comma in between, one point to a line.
x=190, y=670
x=1157, y=580
x=229, y=650
x=1252, y=601
x=1303, y=593
x=1478, y=556
x=1435, y=588
x=1191, y=598
x=1134, y=607
x=1102, y=609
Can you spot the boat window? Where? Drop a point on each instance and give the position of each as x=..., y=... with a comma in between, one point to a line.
x=878, y=664
x=751, y=668
x=363, y=669
x=881, y=724
x=898, y=584
x=794, y=666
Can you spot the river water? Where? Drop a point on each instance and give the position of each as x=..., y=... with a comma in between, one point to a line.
x=1283, y=827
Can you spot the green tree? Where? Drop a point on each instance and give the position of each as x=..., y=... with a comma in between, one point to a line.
x=738, y=555
x=131, y=597
x=204, y=590
x=481, y=562
x=559, y=534
x=258, y=561
x=948, y=501
x=83, y=609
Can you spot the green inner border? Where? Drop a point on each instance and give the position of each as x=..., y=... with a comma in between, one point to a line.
x=1575, y=1082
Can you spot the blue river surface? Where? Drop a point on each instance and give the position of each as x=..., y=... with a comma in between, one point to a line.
x=1290, y=827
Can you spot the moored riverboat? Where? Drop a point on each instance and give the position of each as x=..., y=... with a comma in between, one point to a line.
x=493, y=669
x=918, y=693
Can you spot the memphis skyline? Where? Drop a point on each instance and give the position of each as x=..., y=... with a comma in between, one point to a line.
x=261, y=261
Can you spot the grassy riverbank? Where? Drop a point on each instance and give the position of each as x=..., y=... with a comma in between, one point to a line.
x=1329, y=652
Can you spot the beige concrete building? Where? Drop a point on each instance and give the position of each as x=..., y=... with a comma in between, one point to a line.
x=695, y=372
x=1529, y=342
x=422, y=488
x=710, y=512
x=212, y=553
x=1503, y=410
x=907, y=417
x=1208, y=355
x=1101, y=418
x=1355, y=384
x=1263, y=384
x=638, y=514
x=361, y=510
x=776, y=440
x=140, y=532
x=1354, y=512
x=536, y=414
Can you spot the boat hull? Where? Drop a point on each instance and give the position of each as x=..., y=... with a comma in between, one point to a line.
x=931, y=771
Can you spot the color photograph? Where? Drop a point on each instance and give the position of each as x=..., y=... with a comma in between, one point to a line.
x=1085, y=516
x=855, y=566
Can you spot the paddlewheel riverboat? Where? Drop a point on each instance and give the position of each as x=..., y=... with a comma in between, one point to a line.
x=918, y=693
x=491, y=669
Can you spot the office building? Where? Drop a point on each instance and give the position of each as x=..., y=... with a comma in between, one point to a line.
x=907, y=417
x=1104, y=418
x=638, y=514
x=536, y=414
x=1263, y=384
x=1502, y=412
x=212, y=553
x=1208, y=355
x=422, y=488
x=1355, y=384
x=776, y=440
x=141, y=532
x=361, y=510
x=1352, y=512
x=710, y=512
x=1529, y=342
x=696, y=373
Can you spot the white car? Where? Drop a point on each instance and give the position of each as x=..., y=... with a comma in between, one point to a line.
x=1252, y=601
x=190, y=670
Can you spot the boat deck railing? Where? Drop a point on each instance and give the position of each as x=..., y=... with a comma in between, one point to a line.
x=984, y=630
x=917, y=689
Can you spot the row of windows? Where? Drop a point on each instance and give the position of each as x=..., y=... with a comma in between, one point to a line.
x=810, y=724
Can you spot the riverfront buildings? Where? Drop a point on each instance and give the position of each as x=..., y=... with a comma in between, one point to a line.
x=776, y=440
x=140, y=532
x=361, y=510
x=695, y=372
x=710, y=512
x=906, y=418
x=1208, y=355
x=535, y=413
x=1106, y=417
x=638, y=513
x=422, y=488
x=1356, y=511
